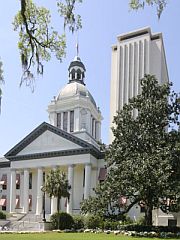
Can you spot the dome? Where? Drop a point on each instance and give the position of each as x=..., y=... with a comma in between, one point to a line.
x=75, y=89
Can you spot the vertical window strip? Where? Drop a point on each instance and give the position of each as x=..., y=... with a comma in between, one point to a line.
x=30, y=180
x=59, y=120
x=65, y=118
x=71, y=121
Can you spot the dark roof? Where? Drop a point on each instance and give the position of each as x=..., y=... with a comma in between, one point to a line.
x=78, y=64
x=85, y=147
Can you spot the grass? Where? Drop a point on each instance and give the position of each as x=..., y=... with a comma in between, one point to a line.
x=68, y=236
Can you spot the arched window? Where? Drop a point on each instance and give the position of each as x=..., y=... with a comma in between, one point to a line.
x=79, y=74
x=73, y=74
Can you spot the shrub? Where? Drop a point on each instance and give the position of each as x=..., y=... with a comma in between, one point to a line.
x=2, y=215
x=93, y=221
x=157, y=229
x=141, y=221
x=78, y=222
x=63, y=219
x=109, y=224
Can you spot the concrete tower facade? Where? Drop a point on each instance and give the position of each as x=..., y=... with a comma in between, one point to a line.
x=135, y=54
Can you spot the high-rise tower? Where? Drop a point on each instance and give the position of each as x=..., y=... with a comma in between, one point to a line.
x=135, y=54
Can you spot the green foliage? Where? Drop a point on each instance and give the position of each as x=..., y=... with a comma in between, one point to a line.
x=56, y=184
x=143, y=159
x=37, y=38
x=160, y=5
x=62, y=221
x=141, y=221
x=67, y=11
x=109, y=224
x=93, y=221
x=144, y=228
x=78, y=222
x=2, y=215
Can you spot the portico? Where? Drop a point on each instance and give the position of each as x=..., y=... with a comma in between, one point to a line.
x=79, y=172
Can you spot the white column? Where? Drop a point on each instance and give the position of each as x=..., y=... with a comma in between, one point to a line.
x=61, y=120
x=53, y=201
x=13, y=191
x=21, y=188
x=26, y=191
x=39, y=192
x=71, y=183
x=87, y=186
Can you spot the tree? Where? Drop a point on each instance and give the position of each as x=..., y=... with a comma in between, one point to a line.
x=140, y=4
x=37, y=38
x=56, y=185
x=143, y=160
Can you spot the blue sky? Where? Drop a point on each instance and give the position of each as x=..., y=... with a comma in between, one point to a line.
x=103, y=21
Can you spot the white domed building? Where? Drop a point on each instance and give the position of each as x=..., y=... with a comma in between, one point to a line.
x=70, y=142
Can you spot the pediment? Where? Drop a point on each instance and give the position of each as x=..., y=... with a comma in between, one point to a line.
x=48, y=142
x=46, y=138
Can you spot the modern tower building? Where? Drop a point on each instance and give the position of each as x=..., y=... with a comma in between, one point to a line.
x=136, y=53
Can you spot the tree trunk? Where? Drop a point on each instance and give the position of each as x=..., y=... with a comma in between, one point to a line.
x=148, y=215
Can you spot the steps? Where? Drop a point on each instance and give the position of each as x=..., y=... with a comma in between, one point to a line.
x=26, y=222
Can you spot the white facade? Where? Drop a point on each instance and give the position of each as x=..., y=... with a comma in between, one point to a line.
x=70, y=142
x=136, y=53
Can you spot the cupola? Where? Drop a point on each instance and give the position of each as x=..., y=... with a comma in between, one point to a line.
x=76, y=71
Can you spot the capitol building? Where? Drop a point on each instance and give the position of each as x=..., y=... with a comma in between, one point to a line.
x=71, y=140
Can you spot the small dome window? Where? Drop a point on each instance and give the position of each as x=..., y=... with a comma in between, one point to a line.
x=79, y=74
x=73, y=74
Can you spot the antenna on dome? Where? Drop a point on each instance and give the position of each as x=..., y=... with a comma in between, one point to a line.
x=77, y=44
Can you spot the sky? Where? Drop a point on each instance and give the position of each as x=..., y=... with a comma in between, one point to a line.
x=103, y=21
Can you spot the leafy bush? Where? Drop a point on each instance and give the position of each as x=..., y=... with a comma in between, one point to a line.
x=141, y=221
x=157, y=229
x=78, y=222
x=63, y=219
x=93, y=221
x=2, y=215
x=109, y=224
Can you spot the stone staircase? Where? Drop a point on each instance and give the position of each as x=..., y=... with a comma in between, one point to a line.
x=26, y=222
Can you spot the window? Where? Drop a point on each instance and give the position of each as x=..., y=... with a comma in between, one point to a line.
x=102, y=174
x=83, y=118
x=44, y=177
x=65, y=118
x=78, y=74
x=96, y=130
x=142, y=209
x=17, y=201
x=18, y=181
x=4, y=186
x=84, y=178
x=3, y=181
x=172, y=222
x=93, y=126
x=59, y=120
x=30, y=180
x=3, y=202
x=71, y=121
x=73, y=74
x=30, y=202
x=3, y=208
